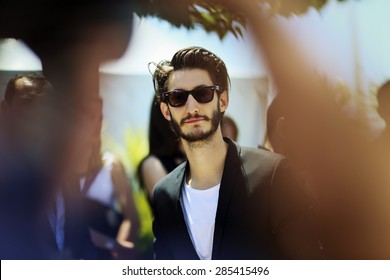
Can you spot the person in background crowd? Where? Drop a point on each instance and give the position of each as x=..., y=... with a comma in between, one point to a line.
x=21, y=109
x=107, y=194
x=337, y=166
x=21, y=184
x=276, y=126
x=43, y=222
x=383, y=97
x=165, y=151
x=229, y=128
x=281, y=130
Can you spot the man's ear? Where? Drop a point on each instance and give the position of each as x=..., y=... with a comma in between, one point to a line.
x=280, y=128
x=4, y=106
x=165, y=110
x=223, y=101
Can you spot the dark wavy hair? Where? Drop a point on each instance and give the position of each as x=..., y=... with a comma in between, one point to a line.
x=190, y=58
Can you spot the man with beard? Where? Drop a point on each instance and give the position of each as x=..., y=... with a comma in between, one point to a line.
x=225, y=201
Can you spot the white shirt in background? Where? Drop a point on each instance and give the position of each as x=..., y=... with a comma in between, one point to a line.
x=102, y=188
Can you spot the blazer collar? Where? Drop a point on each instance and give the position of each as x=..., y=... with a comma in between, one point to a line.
x=183, y=240
x=229, y=176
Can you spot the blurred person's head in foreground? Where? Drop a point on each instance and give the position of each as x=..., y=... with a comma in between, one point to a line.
x=229, y=128
x=192, y=90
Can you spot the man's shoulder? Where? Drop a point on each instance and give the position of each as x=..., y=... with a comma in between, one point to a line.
x=260, y=156
x=171, y=183
x=259, y=164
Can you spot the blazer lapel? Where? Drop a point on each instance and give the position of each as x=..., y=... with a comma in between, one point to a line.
x=232, y=166
x=183, y=242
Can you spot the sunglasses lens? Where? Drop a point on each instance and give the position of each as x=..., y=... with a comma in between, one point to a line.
x=177, y=98
x=204, y=95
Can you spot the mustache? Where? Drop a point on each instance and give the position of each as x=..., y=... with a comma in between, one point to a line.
x=194, y=116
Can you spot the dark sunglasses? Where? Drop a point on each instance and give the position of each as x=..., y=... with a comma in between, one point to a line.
x=178, y=97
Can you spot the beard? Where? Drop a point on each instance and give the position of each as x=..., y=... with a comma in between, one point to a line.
x=198, y=136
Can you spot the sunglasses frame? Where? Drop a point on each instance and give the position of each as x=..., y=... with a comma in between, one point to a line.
x=165, y=95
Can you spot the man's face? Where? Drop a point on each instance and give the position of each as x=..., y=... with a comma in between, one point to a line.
x=194, y=121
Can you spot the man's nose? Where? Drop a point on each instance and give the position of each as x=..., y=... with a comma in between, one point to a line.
x=192, y=105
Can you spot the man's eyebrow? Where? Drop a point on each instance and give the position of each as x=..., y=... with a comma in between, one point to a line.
x=200, y=86
x=195, y=88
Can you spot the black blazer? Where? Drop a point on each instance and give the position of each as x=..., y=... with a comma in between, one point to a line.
x=77, y=239
x=262, y=211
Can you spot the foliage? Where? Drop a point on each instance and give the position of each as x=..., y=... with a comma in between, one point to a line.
x=296, y=7
x=145, y=238
x=215, y=15
x=132, y=151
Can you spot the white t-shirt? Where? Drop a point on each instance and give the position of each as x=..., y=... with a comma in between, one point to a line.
x=102, y=188
x=200, y=209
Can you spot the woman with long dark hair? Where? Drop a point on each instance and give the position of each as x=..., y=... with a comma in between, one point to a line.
x=165, y=153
